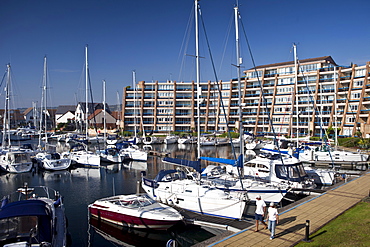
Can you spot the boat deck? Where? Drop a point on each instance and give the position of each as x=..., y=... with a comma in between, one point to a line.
x=319, y=210
x=215, y=222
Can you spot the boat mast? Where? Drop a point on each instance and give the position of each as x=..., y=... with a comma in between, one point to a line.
x=43, y=113
x=199, y=89
x=6, y=110
x=238, y=63
x=105, y=119
x=134, y=88
x=119, y=112
x=86, y=95
x=296, y=90
x=335, y=108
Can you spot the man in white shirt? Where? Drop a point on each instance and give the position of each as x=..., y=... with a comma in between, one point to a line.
x=273, y=216
x=260, y=212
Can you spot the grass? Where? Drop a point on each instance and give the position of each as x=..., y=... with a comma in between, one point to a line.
x=352, y=228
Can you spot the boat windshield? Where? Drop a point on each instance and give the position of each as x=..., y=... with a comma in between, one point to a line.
x=17, y=228
x=141, y=201
x=21, y=158
x=291, y=172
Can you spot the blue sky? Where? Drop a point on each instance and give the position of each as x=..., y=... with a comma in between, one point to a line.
x=155, y=38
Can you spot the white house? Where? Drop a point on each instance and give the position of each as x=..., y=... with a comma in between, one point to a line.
x=65, y=114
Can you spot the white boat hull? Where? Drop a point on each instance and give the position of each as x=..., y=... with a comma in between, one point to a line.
x=187, y=194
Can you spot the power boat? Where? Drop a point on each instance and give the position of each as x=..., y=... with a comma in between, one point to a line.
x=279, y=168
x=52, y=161
x=321, y=176
x=15, y=161
x=135, y=211
x=228, y=175
x=180, y=189
x=251, y=187
x=33, y=217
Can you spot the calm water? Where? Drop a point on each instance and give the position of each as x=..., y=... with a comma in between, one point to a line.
x=81, y=186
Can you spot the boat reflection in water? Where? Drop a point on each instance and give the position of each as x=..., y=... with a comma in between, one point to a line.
x=124, y=236
x=136, y=165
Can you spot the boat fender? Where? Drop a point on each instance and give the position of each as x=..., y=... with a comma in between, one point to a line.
x=57, y=202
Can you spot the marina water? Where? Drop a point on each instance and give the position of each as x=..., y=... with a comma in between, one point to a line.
x=81, y=186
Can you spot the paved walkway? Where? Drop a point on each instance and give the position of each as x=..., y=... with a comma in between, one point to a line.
x=292, y=224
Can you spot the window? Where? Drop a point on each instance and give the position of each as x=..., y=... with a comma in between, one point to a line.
x=283, y=100
x=286, y=70
x=254, y=74
x=284, y=89
x=165, y=95
x=308, y=67
x=225, y=86
x=355, y=95
x=165, y=111
x=165, y=103
x=165, y=87
x=284, y=81
x=360, y=72
x=358, y=83
x=353, y=107
x=347, y=132
x=351, y=119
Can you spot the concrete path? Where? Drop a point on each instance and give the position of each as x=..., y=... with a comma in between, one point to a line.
x=318, y=210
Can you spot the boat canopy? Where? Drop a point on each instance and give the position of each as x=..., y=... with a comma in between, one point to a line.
x=25, y=208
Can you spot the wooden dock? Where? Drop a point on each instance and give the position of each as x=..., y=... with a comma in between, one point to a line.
x=319, y=210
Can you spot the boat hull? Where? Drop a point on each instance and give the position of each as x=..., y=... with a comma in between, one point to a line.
x=196, y=198
x=127, y=211
x=128, y=220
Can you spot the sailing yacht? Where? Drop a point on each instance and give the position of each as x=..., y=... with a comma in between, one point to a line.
x=48, y=159
x=328, y=153
x=185, y=189
x=80, y=153
x=11, y=160
x=171, y=139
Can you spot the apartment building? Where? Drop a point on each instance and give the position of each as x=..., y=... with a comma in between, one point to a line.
x=292, y=98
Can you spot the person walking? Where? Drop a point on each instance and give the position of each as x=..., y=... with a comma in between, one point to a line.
x=260, y=212
x=273, y=217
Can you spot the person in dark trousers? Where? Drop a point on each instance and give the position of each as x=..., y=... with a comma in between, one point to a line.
x=260, y=212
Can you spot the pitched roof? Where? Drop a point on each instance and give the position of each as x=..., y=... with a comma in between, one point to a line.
x=308, y=60
x=27, y=110
x=97, y=112
x=62, y=109
x=94, y=106
x=115, y=114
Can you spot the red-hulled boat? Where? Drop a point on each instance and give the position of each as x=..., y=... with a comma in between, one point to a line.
x=136, y=211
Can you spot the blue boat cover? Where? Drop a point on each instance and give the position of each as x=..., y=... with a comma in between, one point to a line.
x=182, y=162
x=24, y=208
x=237, y=163
x=220, y=160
